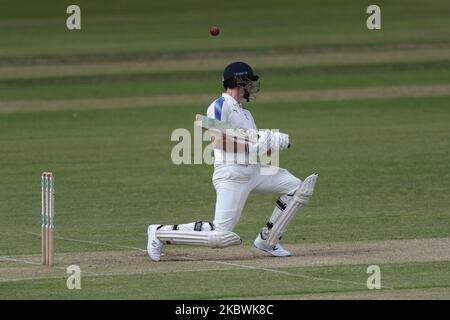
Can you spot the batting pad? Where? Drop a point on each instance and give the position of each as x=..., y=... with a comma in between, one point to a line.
x=298, y=201
x=212, y=239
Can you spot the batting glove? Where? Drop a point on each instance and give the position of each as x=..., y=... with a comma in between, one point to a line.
x=280, y=141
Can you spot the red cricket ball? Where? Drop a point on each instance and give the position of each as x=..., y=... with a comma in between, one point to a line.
x=214, y=31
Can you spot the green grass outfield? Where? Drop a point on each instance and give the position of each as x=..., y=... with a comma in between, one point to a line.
x=368, y=110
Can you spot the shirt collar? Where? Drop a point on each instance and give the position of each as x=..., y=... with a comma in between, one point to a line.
x=231, y=99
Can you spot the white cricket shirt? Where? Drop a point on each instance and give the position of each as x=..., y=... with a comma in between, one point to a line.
x=227, y=109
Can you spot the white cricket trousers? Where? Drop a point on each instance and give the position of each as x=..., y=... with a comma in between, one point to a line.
x=234, y=182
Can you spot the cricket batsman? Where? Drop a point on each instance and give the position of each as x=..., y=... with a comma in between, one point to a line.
x=235, y=177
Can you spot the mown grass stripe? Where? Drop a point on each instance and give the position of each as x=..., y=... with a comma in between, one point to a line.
x=208, y=63
x=271, y=71
x=217, y=53
x=204, y=99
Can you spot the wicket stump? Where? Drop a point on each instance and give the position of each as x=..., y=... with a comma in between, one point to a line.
x=48, y=214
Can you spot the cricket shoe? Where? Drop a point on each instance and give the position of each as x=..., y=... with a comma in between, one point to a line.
x=276, y=250
x=154, y=245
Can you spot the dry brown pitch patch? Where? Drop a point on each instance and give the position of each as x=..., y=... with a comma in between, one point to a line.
x=195, y=259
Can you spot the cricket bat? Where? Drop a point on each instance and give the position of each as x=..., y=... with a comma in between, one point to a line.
x=225, y=128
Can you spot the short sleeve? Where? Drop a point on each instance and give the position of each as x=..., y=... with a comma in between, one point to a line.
x=218, y=110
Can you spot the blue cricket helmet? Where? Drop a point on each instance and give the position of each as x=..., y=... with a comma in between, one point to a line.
x=236, y=70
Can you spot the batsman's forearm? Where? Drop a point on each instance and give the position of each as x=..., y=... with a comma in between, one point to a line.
x=229, y=144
